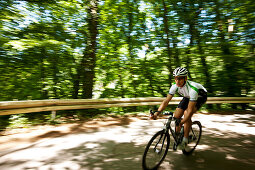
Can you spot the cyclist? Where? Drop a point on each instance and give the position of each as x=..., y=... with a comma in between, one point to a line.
x=194, y=96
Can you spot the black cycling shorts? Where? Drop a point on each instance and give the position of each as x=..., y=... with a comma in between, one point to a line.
x=185, y=102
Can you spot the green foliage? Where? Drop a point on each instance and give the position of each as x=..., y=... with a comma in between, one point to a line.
x=43, y=46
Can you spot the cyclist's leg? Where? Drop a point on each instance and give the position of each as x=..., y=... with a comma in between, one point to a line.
x=181, y=107
x=180, y=110
x=178, y=114
x=187, y=125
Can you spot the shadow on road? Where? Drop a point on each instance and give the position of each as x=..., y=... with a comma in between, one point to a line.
x=228, y=142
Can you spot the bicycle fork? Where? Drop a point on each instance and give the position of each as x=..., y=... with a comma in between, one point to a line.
x=155, y=148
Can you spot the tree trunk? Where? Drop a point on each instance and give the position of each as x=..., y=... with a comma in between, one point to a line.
x=89, y=57
x=44, y=93
x=76, y=83
x=202, y=54
x=176, y=50
x=167, y=41
x=191, y=44
x=205, y=67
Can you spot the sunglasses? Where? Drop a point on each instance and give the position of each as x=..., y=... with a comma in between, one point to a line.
x=179, y=78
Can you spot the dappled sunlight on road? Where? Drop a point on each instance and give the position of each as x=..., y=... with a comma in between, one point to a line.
x=100, y=147
x=227, y=143
x=236, y=123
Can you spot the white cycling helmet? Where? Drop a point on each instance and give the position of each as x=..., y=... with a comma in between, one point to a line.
x=180, y=71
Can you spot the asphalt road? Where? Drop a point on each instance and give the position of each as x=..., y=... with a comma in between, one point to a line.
x=228, y=142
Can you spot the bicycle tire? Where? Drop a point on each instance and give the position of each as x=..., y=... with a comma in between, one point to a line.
x=195, y=133
x=164, y=137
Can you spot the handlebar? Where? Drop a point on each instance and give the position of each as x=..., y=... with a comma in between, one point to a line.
x=167, y=113
x=164, y=113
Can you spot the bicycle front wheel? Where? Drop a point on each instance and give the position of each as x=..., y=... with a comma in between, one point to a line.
x=156, y=150
x=194, y=137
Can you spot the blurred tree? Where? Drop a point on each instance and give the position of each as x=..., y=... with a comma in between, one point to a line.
x=167, y=39
x=230, y=78
x=89, y=55
x=111, y=48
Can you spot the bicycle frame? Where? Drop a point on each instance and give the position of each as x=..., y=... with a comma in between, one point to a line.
x=160, y=143
x=177, y=139
x=167, y=128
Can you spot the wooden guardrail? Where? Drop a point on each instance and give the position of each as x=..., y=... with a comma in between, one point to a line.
x=29, y=106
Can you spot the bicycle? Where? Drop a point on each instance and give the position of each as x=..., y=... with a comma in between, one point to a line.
x=157, y=148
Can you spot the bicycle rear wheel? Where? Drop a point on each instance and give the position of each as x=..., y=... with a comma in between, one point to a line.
x=156, y=150
x=194, y=137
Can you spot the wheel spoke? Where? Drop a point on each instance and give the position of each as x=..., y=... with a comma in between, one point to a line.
x=156, y=150
x=194, y=137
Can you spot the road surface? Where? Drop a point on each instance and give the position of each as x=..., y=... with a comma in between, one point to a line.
x=228, y=142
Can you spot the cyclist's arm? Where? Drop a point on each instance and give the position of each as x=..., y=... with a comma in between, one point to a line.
x=190, y=110
x=164, y=104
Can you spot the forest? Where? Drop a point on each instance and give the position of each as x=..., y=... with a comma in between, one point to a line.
x=81, y=49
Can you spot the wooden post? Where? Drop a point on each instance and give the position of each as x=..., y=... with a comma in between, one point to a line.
x=53, y=114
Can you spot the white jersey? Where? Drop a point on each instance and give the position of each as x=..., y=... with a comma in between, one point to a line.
x=190, y=90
